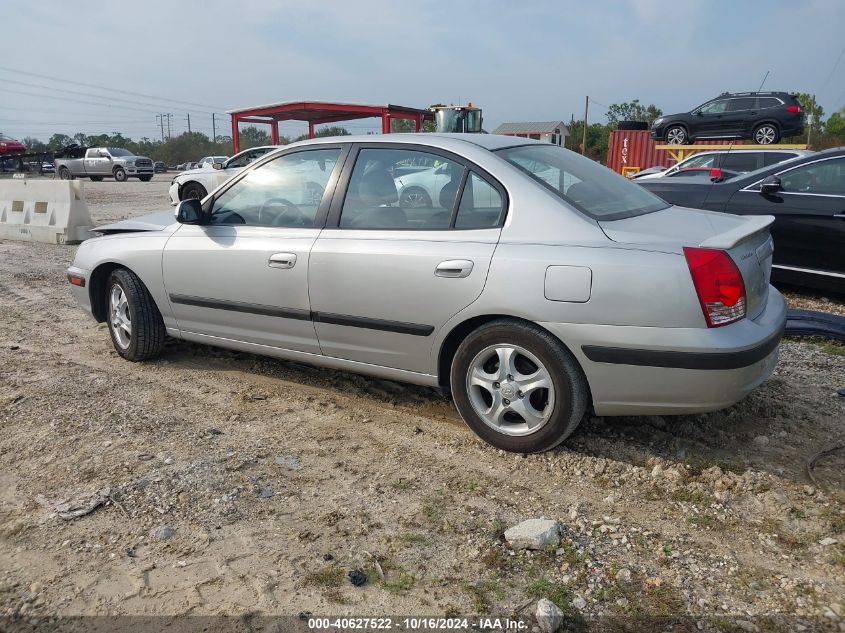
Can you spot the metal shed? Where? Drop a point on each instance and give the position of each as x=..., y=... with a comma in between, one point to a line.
x=321, y=112
x=554, y=132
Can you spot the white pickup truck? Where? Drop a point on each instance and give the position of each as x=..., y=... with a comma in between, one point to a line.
x=105, y=162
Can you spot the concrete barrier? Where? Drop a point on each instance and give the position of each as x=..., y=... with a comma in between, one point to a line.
x=52, y=211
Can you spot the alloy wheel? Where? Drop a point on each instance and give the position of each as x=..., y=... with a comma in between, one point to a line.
x=120, y=320
x=510, y=389
x=676, y=136
x=765, y=135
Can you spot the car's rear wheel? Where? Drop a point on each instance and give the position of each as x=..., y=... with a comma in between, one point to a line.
x=676, y=135
x=193, y=190
x=415, y=198
x=518, y=387
x=135, y=324
x=119, y=174
x=64, y=173
x=766, y=134
x=96, y=178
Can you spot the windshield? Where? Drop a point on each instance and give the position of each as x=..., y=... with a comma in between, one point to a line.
x=117, y=151
x=585, y=184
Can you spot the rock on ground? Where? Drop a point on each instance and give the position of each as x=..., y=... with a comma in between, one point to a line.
x=534, y=534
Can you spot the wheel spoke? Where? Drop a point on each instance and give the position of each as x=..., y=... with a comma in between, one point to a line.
x=507, y=362
x=540, y=379
x=480, y=378
x=533, y=418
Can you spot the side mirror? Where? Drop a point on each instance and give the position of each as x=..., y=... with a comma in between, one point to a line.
x=770, y=186
x=698, y=113
x=189, y=212
x=217, y=165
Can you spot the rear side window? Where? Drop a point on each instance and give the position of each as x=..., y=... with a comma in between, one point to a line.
x=736, y=105
x=773, y=158
x=590, y=187
x=769, y=102
x=707, y=160
x=481, y=205
x=741, y=161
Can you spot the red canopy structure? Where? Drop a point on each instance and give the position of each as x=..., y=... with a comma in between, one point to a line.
x=321, y=112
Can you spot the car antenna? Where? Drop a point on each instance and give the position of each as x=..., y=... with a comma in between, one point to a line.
x=764, y=81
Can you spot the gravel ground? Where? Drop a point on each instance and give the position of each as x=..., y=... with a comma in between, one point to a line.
x=225, y=483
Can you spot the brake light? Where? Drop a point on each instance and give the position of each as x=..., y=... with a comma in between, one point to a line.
x=793, y=109
x=715, y=173
x=718, y=284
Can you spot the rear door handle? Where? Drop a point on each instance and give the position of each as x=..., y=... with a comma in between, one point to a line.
x=282, y=260
x=454, y=268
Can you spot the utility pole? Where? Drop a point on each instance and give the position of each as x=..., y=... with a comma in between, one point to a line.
x=213, y=129
x=168, y=115
x=160, y=118
x=189, y=122
x=584, y=134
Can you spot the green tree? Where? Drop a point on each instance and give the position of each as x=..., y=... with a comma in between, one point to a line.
x=331, y=130
x=813, y=112
x=253, y=137
x=33, y=144
x=597, y=139
x=835, y=124
x=632, y=111
x=59, y=140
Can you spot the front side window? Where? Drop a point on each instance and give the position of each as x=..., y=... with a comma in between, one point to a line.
x=825, y=177
x=715, y=107
x=401, y=189
x=245, y=158
x=93, y=153
x=285, y=192
x=590, y=187
x=117, y=151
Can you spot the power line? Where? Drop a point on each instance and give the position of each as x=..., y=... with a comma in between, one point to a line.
x=832, y=70
x=87, y=85
x=54, y=98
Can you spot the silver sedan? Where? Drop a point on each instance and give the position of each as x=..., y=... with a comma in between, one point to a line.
x=535, y=286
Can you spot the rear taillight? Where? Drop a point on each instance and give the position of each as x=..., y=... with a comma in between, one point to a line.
x=793, y=109
x=715, y=173
x=718, y=283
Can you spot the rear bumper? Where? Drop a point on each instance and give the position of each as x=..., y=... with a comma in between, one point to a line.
x=639, y=371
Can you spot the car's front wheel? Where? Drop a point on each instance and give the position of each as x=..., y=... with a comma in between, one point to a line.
x=676, y=135
x=766, y=134
x=119, y=174
x=135, y=324
x=518, y=387
x=193, y=190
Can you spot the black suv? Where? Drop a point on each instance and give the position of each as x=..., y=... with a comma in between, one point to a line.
x=764, y=117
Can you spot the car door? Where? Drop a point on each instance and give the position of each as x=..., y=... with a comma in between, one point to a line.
x=737, y=120
x=383, y=278
x=96, y=162
x=710, y=117
x=236, y=164
x=243, y=275
x=809, y=229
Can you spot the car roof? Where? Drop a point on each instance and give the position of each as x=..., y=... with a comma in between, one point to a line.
x=454, y=142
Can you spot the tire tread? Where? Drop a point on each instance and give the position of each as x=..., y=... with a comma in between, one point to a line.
x=148, y=328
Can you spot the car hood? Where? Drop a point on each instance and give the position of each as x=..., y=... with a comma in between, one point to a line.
x=197, y=170
x=157, y=221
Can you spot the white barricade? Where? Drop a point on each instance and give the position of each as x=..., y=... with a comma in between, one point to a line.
x=52, y=211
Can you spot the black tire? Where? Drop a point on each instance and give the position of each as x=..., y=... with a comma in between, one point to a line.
x=147, y=337
x=193, y=190
x=145, y=178
x=64, y=173
x=415, y=198
x=570, y=385
x=96, y=178
x=119, y=174
x=766, y=134
x=677, y=135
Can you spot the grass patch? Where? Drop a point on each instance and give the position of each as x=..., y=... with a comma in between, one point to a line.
x=325, y=578
x=704, y=521
x=434, y=508
x=480, y=593
x=692, y=496
x=497, y=528
x=831, y=347
x=544, y=588
x=785, y=539
x=412, y=538
x=403, y=583
x=401, y=484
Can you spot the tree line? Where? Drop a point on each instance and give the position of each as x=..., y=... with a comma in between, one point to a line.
x=190, y=146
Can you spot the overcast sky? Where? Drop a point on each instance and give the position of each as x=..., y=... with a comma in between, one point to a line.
x=519, y=60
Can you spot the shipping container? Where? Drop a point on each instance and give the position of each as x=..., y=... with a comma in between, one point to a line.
x=630, y=151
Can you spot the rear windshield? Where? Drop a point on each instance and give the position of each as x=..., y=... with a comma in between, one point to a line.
x=585, y=184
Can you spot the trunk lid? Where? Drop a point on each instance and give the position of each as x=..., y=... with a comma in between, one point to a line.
x=745, y=238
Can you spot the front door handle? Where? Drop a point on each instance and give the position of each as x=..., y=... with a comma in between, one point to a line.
x=454, y=268
x=282, y=260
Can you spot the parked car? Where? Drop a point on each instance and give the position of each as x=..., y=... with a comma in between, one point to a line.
x=196, y=183
x=807, y=198
x=738, y=160
x=8, y=145
x=159, y=167
x=765, y=117
x=208, y=161
x=105, y=162
x=711, y=173
x=530, y=304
